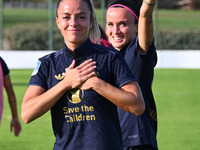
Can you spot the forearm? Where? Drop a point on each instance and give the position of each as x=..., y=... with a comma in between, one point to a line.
x=13, y=105
x=147, y=8
x=124, y=98
x=145, y=25
x=11, y=96
x=37, y=104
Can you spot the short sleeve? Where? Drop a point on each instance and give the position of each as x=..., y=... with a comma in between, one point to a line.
x=121, y=71
x=39, y=75
x=4, y=67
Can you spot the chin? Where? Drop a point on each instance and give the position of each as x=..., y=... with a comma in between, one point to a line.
x=117, y=46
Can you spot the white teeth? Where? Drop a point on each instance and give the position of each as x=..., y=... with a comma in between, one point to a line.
x=117, y=38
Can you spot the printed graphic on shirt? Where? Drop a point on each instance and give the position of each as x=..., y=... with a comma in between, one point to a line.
x=35, y=71
x=97, y=73
x=75, y=96
x=133, y=136
x=153, y=114
x=80, y=113
x=59, y=77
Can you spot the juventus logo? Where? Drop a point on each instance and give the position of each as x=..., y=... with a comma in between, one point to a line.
x=74, y=96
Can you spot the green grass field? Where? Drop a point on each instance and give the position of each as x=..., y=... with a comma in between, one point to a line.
x=164, y=19
x=177, y=97
x=35, y=136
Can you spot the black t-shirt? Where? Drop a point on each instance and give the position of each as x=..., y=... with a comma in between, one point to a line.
x=4, y=67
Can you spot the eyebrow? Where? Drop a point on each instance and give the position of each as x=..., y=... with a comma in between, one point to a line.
x=123, y=21
x=81, y=13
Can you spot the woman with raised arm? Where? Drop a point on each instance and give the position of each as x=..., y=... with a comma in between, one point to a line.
x=130, y=30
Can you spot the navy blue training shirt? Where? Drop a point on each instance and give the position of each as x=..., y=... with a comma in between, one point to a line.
x=4, y=67
x=140, y=130
x=84, y=120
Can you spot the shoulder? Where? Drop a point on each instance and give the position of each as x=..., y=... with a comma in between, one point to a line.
x=133, y=48
x=44, y=63
x=1, y=60
x=105, y=50
x=52, y=56
x=4, y=67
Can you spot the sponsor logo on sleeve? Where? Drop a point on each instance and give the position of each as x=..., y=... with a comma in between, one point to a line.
x=35, y=71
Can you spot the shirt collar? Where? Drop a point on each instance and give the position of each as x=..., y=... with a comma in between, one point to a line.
x=82, y=50
x=128, y=45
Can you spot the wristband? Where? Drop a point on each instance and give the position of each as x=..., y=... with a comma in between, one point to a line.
x=149, y=3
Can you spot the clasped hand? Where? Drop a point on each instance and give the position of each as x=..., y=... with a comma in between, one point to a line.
x=76, y=77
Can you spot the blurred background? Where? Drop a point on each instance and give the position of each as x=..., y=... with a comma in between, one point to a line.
x=28, y=31
x=30, y=24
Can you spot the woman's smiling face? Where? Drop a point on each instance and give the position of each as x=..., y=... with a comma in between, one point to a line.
x=120, y=27
x=74, y=21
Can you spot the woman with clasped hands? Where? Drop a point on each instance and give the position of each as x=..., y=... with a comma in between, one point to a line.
x=81, y=84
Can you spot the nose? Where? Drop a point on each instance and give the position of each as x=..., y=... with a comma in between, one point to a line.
x=73, y=21
x=116, y=29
